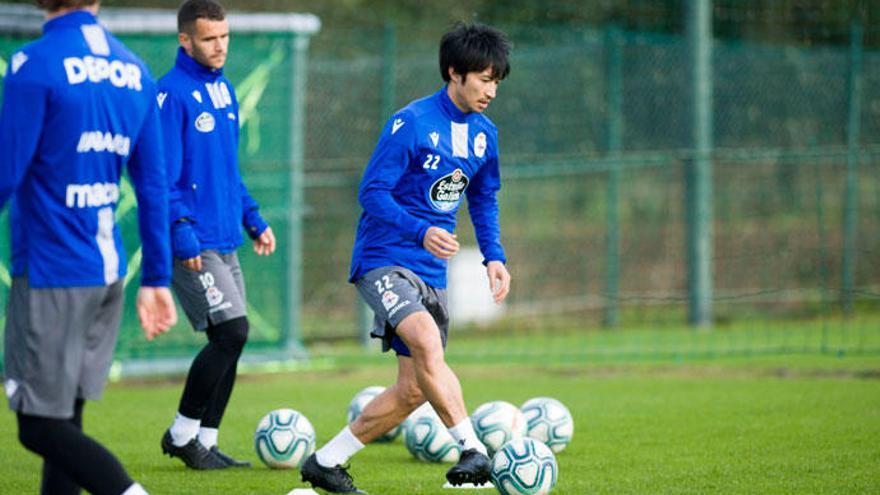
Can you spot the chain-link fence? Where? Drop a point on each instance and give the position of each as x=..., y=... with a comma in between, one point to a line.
x=781, y=130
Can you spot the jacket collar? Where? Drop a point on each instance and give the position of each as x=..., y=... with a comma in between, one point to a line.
x=448, y=106
x=190, y=66
x=73, y=19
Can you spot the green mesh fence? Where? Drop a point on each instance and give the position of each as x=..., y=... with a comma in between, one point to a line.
x=779, y=180
x=587, y=120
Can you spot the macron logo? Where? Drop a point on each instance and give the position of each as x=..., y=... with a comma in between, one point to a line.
x=97, y=194
x=17, y=61
x=398, y=123
x=160, y=98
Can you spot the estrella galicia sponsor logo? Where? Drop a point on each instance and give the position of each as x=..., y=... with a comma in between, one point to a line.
x=91, y=195
x=98, y=141
x=205, y=122
x=98, y=69
x=446, y=193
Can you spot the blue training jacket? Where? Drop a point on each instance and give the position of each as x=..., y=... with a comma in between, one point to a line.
x=430, y=154
x=77, y=106
x=209, y=202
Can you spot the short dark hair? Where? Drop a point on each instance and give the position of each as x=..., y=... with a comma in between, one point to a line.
x=192, y=10
x=473, y=48
x=53, y=5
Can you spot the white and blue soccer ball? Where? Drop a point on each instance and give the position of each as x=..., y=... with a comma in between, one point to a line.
x=549, y=421
x=360, y=401
x=524, y=466
x=428, y=439
x=284, y=439
x=497, y=423
x=424, y=410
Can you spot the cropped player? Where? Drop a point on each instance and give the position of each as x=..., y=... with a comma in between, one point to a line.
x=209, y=207
x=77, y=106
x=430, y=155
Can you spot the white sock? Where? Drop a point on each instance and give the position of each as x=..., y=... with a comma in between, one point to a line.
x=339, y=450
x=184, y=429
x=135, y=489
x=464, y=434
x=208, y=436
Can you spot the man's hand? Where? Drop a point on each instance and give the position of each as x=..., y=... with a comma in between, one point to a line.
x=194, y=264
x=265, y=244
x=156, y=310
x=440, y=243
x=499, y=280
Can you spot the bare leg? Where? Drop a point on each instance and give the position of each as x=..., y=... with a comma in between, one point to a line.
x=392, y=406
x=435, y=378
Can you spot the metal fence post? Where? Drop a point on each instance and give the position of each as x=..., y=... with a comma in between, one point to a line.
x=851, y=192
x=298, y=72
x=614, y=85
x=699, y=174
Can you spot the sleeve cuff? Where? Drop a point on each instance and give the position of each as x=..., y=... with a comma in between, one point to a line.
x=254, y=223
x=155, y=281
x=495, y=256
x=420, y=233
x=184, y=243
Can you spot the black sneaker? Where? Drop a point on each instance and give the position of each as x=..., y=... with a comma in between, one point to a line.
x=230, y=461
x=193, y=454
x=473, y=467
x=333, y=480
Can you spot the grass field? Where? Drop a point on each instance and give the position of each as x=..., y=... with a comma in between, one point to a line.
x=803, y=424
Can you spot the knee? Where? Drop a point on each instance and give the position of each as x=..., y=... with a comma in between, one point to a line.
x=425, y=346
x=230, y=336
x=430, y=358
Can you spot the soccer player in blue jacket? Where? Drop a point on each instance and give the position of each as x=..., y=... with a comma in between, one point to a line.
x=77, y=106
x=209, y=205
x=431, y=154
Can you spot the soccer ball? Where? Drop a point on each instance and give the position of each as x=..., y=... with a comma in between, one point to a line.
x=360, y=401
x=497, y=423
x=427, y=439
x=424, y=410
x=524, y=466
x=284, y=438
x=549, y=421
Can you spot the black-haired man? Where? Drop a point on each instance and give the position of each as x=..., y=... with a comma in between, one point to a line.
x=430, y=154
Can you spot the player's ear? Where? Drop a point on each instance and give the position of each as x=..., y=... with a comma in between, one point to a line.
x=185, y=41
x=454, y=76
